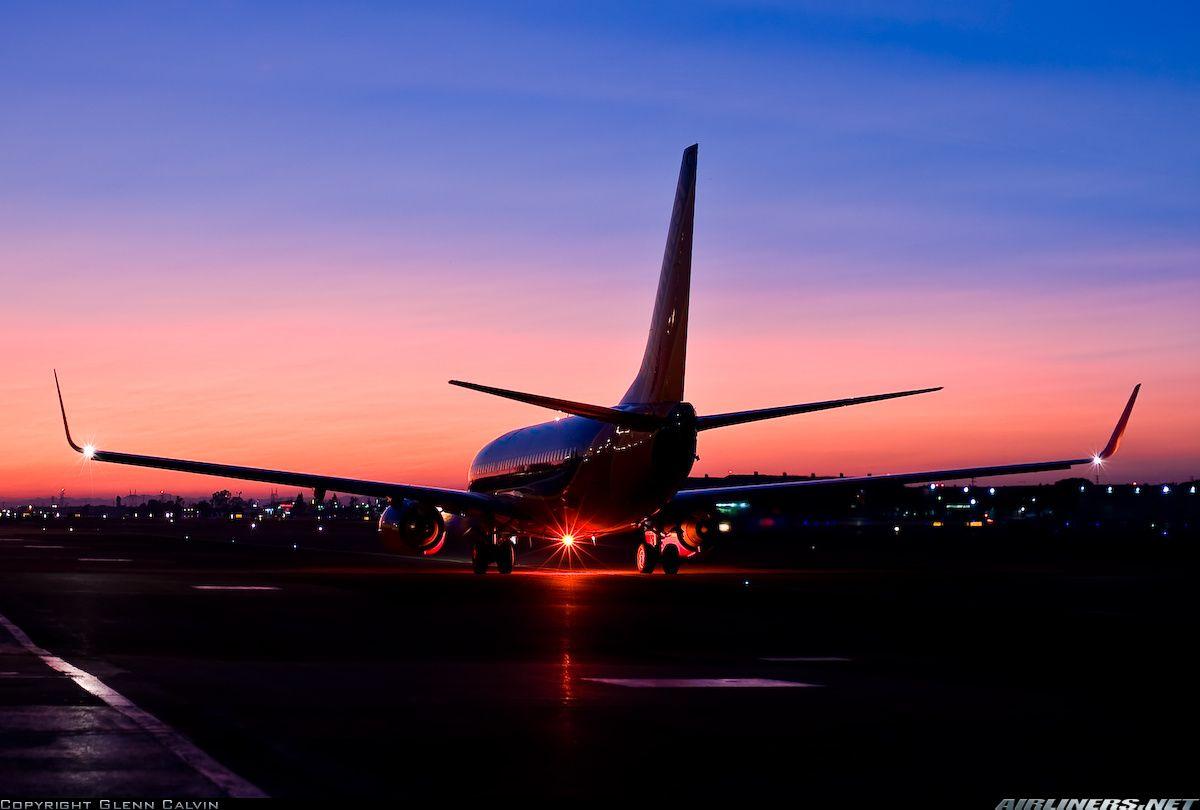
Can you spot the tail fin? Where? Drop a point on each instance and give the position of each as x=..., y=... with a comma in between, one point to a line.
x=660, y=378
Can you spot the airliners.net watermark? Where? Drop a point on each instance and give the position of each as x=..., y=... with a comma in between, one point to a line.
x=1094, y=804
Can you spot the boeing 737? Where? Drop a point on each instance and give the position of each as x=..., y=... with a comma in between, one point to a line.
x=599, y=469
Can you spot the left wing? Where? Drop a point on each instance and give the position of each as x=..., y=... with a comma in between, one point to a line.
x=451, y=500
x=691, y=499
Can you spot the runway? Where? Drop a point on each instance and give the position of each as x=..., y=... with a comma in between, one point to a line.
x=301, y=674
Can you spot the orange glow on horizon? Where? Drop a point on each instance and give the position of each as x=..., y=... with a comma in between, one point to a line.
x=1025, y=376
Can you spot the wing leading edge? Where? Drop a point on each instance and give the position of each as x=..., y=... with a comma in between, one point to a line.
x=451, y=500
x=693, y=498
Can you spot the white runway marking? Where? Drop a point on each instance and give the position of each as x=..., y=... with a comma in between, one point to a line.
x=236, y=587
x=807, y=659
x=105, y=559
x=702, y=683
x=232, y=784
x=34, y=546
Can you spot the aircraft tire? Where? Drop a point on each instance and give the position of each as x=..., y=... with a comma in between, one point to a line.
x=506, y=557
x=671, y=560
x=481, y=556
x=646, y=558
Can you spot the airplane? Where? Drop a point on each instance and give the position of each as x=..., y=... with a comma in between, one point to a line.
x=598, y=469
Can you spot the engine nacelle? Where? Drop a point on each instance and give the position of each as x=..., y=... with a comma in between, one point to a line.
x=412, y=526
x=702, y=533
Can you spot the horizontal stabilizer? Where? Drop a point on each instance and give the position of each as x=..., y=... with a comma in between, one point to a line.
x=613, y=416
x=720, y=420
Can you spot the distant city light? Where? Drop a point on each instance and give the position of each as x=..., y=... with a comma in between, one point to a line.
x=991, y=490
x=1166, y=490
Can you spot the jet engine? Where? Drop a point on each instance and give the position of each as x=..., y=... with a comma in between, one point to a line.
x=412, y=526
x=701, y=533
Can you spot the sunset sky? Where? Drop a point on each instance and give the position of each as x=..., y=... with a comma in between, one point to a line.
x=268, y=234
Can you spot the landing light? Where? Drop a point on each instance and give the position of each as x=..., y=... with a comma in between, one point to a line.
x=89, y=450
x=1097, y=460
x=724, y=527
x=568, y=539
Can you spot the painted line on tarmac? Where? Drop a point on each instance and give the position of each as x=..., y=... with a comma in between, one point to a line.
x=235, y=587
x=808, y=659
x=702, y=683
x=225, y=779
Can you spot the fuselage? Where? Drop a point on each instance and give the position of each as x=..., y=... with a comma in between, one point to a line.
x=579, y=476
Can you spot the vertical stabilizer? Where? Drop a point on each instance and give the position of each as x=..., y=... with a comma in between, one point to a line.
x=660, y=378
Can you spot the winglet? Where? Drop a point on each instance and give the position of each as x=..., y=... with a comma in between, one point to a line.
x=1114, y=441
x=63, y=408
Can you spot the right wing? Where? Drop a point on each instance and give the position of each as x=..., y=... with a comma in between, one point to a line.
x=450, y=500
x=691, y=500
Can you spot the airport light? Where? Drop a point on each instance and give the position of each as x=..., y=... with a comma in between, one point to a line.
x=1166, y=490
x=724, y=527
x=89, y=451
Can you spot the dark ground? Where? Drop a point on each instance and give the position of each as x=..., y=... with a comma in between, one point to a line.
x=372, y=676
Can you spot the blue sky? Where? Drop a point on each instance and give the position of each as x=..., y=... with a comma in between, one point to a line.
x=865, y=170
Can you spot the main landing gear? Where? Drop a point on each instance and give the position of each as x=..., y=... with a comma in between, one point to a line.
x=488, y=550
x=654, y=551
